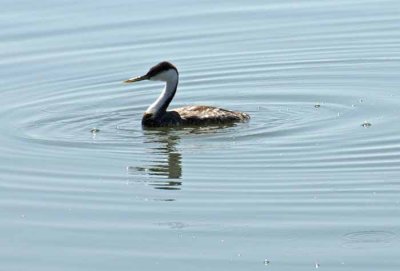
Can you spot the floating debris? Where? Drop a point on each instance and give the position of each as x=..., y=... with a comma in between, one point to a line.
x=366, y=124
x=266, y=262
x=94, y=130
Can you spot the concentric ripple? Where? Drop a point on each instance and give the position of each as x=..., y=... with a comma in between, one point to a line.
x=368, y=239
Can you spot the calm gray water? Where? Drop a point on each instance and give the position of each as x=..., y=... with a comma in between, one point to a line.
x=303, y=185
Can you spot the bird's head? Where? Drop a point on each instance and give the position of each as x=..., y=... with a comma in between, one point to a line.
x=163, y=71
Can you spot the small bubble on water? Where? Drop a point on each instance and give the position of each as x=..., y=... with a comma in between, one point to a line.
x=266, y=262
x=366, y=124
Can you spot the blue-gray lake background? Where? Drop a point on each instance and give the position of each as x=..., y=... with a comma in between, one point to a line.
x=312, y=181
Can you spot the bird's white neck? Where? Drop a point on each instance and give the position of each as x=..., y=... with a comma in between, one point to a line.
x=170, y=78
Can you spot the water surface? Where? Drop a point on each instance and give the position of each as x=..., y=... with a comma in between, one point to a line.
x=312, y=181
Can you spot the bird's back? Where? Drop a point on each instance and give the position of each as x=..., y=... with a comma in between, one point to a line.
x=200, y=114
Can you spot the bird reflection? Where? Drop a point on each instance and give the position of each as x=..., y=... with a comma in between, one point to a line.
x=167, y=161
x=164, y=170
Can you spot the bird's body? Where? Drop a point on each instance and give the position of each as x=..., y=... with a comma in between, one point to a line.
x=199, y=115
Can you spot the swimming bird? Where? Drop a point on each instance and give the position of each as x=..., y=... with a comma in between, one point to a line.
x=157, y=115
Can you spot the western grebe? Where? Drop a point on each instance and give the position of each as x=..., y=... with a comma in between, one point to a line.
x=158, y=116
